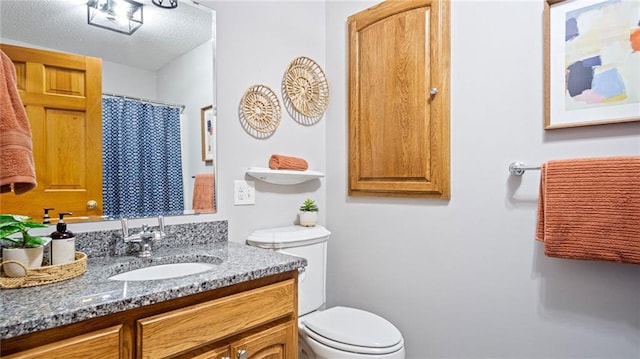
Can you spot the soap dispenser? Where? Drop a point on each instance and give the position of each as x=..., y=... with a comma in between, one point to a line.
x=63, y=243
x=45, y=218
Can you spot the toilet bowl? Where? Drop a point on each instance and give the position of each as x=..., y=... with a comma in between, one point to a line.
x=332, y=333
x=343, y=332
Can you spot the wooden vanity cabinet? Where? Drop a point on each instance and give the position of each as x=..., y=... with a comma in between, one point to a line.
x=256, y=319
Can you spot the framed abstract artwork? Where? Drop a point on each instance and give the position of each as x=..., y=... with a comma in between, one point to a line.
x=208, y=127
x=592, y=62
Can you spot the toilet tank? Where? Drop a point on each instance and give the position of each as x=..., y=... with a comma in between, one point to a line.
x=309, y=243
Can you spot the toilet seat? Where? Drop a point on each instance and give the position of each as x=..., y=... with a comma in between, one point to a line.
x=353, y=330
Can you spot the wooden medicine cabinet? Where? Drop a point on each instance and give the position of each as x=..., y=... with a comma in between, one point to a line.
x=399, y=100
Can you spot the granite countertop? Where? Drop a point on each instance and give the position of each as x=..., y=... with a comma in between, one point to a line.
x=92, y=294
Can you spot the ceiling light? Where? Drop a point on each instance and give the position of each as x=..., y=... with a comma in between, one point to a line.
x=123, y=16
x=166, y=4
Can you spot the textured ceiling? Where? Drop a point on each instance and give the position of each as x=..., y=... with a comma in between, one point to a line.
x=62, y=25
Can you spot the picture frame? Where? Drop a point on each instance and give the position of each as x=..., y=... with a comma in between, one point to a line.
x=591, y=78
x=207, y=130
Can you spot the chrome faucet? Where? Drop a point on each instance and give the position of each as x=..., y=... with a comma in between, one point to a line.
x=145, y=238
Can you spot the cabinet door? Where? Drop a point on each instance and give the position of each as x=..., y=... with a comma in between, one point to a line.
x=399, y=100
x=218, y=353
x=101, y=344
x=185, y=329
x=278, y=342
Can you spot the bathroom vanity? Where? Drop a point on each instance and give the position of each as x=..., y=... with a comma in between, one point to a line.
x=244, y=307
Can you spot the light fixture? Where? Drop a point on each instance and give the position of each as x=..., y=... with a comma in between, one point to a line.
x=123, y=16
x=166, y=4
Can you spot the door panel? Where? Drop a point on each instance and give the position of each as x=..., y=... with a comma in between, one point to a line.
x=62, y=96
x=398, y=128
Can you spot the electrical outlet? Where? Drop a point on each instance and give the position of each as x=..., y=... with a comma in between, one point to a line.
x=244, y=192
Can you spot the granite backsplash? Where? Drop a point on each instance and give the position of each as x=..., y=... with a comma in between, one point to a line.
x=110, y=242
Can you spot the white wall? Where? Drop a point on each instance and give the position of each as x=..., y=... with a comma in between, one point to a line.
x=128, y=81
x=256, y=42
x=465, y=278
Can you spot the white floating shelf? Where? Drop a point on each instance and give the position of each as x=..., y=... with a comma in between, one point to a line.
x=285, y=177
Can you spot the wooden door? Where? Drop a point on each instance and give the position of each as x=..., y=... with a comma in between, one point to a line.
x=399, y=100
x=62, y=96
x=273, y=343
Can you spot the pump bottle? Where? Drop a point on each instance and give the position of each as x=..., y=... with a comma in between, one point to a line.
x=63, y=243
x=45, y=217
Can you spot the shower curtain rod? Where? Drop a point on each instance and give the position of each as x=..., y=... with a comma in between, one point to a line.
x=181, y=107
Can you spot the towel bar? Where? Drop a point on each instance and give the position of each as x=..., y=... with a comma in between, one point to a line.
x=518, y=168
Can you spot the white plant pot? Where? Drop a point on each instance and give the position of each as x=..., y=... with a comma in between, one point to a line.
x=30, y=257
x=308, y=219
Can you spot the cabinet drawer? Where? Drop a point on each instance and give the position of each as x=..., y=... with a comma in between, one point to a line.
x=100, y=344
x=190, y=327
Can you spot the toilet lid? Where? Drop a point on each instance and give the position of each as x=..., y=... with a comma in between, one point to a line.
x=289, y=236
x=360, y=331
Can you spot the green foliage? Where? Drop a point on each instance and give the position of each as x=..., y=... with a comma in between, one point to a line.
x=11, y=224
x=309, y=206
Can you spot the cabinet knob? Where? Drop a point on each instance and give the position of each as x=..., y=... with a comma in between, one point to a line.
x=242, y=354
x=433, y=91
x=91, y=204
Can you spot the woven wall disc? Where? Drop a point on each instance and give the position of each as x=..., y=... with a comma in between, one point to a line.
x=260, y=109
x=305, y=88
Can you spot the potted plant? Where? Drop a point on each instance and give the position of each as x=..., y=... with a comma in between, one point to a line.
x=308, y=213
x=19, y=245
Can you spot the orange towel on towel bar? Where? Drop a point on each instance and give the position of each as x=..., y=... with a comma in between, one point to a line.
x=590, y=209
x=280, y=162
x=203, y=193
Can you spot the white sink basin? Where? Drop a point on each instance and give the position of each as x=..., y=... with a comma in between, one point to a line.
x=163, y=271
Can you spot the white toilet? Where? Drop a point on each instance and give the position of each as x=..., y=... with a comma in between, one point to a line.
x=333, y=333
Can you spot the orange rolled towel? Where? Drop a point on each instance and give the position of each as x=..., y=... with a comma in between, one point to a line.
x=590, y=209
x=280, y=162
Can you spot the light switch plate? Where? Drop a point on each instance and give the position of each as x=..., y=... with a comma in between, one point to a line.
x=244, y=192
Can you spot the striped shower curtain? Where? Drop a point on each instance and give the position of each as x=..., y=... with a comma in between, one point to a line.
x=141, y=162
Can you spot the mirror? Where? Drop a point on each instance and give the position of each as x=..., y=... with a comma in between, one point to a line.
x=170, y=59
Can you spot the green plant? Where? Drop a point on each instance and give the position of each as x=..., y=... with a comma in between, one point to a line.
x=11, y=224
x=309, y=206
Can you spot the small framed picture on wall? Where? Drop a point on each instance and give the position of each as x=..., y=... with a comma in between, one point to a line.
x=592, y=62
x=208, y=128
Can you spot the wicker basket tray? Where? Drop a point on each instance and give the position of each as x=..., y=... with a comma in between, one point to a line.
x=45, y=275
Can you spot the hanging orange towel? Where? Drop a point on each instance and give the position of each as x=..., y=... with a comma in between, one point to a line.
x=203, y=193
x=280, y=162
x=16, y=157
x=590, y=209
